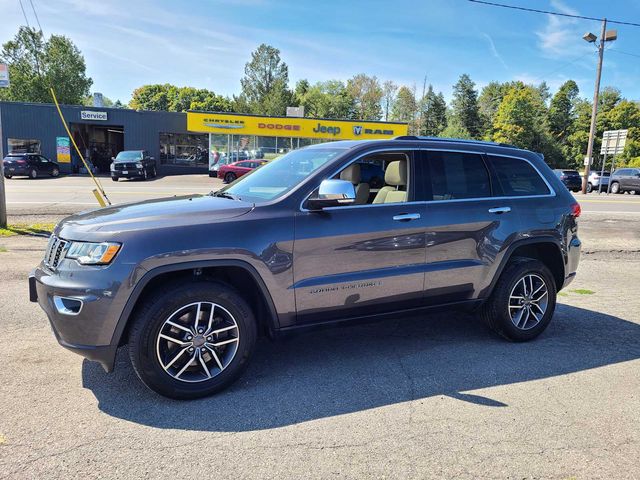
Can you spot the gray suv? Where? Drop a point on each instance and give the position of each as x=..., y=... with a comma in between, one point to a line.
x=189, y=282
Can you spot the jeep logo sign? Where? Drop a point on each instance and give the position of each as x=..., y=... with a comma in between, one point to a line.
x=90, y=115
x=324, y=129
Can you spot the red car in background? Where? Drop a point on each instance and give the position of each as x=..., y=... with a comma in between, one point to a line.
x=236, y=169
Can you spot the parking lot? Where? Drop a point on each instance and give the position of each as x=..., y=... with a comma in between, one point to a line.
x=438, y=396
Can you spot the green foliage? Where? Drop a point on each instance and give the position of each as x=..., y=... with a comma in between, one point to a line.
x=36, y=64
x=389, y=90
x=404, y=107
x=433, y=113
x=265, y=85
x=170, y=98
x=465, y=106
x=328, y=99
x=367, y=96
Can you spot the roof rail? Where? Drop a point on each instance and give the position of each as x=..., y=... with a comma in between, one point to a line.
x=453, y=140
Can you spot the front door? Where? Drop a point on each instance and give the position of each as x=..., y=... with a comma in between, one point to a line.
x=363, y=259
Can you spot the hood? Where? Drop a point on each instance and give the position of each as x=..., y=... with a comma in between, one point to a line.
x=150, y=214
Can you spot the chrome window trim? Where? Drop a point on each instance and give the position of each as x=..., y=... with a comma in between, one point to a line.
x=551, y=194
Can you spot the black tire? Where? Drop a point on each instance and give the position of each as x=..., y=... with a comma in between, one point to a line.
x=589, y=188
x=154, y=172
x=229, y=177
x=149, y=318
x=615, y=187
x=145, y=174
x=7, y=176
x=115, y=179
x=495, y=311
x=55, y=172
x=33, y=173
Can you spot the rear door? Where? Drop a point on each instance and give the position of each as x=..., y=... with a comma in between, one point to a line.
x=467, y=225
x=634, y=179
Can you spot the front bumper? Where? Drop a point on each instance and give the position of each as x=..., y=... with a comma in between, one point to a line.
x=87, y=330
x=16, y=171
x=137, y=173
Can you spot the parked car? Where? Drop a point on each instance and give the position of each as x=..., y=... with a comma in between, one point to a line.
x=31, y=165
x=133, y=164
x=190, y=282
x=570, y=178
x=625, y=180
x=596, y=178
x=235, y=170
x=236, y=156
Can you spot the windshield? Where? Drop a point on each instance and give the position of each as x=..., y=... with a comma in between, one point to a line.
x=135, y=155
x=280, y=175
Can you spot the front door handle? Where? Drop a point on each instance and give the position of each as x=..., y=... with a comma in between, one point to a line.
x=406, y=217
x=500, y=210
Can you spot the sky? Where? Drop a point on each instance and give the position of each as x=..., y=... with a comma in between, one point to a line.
x=206, y=43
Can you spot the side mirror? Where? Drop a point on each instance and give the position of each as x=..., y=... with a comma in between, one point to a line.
x=113, y=159
x=332, y=193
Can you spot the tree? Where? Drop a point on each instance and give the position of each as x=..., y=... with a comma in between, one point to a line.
x=265, y=85
x=488, y=102
x=521, y=121
x=367, y=95
x=562, y=110
x=328, y=99
x=405, y=107
x=434, y=113
x=36, y=64
x=389, y=89
x=170, y=98
x=106, y=101
x=465, y=106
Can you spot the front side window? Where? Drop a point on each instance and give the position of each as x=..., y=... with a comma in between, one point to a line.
x=457, y=175
x=281, y=175
x=517, y=178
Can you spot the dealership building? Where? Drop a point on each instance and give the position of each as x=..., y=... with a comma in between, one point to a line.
x=180, y=142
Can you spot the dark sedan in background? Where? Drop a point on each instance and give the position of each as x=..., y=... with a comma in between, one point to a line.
x=570, y=178
x=133, y=164
x=31, y=165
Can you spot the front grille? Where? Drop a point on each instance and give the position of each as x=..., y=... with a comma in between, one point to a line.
x=124, y=166
x=56, y=250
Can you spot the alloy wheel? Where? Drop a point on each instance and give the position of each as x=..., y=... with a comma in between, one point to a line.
x=528, y=301
x=197, y=342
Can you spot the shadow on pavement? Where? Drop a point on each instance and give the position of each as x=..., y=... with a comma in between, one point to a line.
x=344, y=370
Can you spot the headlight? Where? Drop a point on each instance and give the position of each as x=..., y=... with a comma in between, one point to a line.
x=93, y=253
x=112, y=167
x=138, y=165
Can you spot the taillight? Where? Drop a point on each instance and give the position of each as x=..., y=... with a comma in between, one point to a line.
x=21, y=162
x=576, y=210
x=563, y=177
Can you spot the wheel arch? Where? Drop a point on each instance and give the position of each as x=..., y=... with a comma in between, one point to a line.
x=233, y=272
x=545, y=249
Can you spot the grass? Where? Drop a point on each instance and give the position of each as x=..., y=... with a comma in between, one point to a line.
x=583, y=291
x=27, y=229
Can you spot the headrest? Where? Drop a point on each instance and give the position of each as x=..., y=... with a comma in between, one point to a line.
x=396, y=173
x=351, y=174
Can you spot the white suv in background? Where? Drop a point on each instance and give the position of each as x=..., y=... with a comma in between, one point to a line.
x=595, y=179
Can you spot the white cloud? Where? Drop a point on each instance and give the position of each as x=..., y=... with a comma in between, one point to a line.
x=494, y=50
x=561, y=36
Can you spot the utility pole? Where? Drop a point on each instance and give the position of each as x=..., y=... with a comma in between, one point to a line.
x=594, y=111
x=3, y=198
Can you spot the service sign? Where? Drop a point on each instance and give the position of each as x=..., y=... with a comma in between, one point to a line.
x=4, y=75
x=91, y=115
x=233, y=124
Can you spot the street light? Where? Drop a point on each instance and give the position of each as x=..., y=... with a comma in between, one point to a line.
x=605, y=36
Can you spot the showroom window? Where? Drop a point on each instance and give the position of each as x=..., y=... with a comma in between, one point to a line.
x=184, y=149
x=19, y=145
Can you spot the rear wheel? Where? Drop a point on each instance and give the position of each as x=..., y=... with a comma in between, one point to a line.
x=589, y=187
x=33, y=173
x=523, y=301
x=615, y=187
x=192, y=340
x=229, y=177
x=55, y=172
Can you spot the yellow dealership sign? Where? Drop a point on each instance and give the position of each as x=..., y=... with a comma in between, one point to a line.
x=234, y=124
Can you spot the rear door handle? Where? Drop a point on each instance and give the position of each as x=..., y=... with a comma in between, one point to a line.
x=500, y=210
x=405, y=217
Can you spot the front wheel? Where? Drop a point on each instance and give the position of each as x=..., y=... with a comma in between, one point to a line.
x=193, y=340
x=7, y=176
x=589, y=188
x=615, y=187
x=115, y=179
x=523, y=301
x=55, y=172
x=33, y=173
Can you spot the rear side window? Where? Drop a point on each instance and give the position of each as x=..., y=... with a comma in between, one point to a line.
x=456, y=175
x=517, y=178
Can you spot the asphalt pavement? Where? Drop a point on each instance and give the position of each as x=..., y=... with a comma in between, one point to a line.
x=436, y=396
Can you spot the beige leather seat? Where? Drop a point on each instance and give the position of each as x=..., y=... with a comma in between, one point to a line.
x=352, y=174
x=395, y=176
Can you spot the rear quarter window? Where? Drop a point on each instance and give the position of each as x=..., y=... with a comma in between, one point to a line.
x=516, y=178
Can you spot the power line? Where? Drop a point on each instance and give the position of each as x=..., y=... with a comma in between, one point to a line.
x=624, y=53
x=547, y=12
x=24, y=14
x=36, y=15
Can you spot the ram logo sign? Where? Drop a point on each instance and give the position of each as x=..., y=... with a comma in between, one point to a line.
x=357, y=129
